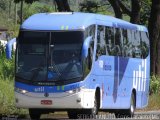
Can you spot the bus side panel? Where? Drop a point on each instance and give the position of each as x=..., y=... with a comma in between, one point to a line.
x=146, y=83
x=118, y=76
x=108, y=74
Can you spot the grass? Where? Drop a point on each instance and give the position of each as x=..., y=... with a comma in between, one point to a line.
x=154, y=102
x=7, y=101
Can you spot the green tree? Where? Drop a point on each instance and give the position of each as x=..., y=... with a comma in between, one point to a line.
x=89, y=6
x=21, y=10
x=3, y=4
x=63, y=5
x=154, y=32
x=34, y=8
x=121, y=7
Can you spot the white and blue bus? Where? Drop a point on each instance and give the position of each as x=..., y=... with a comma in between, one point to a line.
x=81, y=63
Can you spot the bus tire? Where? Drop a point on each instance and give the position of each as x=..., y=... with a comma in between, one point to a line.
x=94, y=111
x=128, y=113
x=72, y=114
x=34, y=114
x=131, y=110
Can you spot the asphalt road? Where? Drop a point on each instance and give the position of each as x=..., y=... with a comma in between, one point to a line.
x=150, y=115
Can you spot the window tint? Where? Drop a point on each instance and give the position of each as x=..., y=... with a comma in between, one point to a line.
x=136, y=44
x=122, y=42
x=128, y=46
x=113, y=41
x=31, y=37
x=69, y=37
x=101, y=43
x=144, y=44
x=90, y=31
x=118, y=42
x=126, y=50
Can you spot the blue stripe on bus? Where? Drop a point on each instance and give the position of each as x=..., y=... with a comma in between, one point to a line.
x=49, y=89
x=119, y=71
x=123, y=62
x=115, y=88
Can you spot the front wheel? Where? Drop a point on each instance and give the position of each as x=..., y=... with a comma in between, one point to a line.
x=94, y=111
x=85, y=113
x=73, y=114
x=34, y=114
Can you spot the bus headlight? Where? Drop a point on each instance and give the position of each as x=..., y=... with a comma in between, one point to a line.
x=21, y=91
x=75, y=90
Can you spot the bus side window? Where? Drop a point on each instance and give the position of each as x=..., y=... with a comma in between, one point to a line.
x=110, y=41
x=129, y=46
x=144, y=44
x=125, y=43
x=101, y=45
x=118, y=45
x=136, y=44
x=92, y=31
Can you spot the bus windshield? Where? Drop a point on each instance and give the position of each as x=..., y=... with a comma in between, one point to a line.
x=49, y=56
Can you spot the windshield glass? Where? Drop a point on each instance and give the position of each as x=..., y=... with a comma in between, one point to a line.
x=65, y=55
x=32, y=54
x=51, y=56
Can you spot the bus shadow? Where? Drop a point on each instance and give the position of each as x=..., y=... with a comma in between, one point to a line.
x=54, y=119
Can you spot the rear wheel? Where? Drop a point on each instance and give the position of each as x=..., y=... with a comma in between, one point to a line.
x=34, y=114
x=129, y=112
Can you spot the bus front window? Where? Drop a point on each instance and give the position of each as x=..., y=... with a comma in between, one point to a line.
x=65, y=55
x=49, y=56
x=31, y=63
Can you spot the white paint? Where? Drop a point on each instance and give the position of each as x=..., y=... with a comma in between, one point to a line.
x=139, y=76
x=60, y=100
x=101, y=63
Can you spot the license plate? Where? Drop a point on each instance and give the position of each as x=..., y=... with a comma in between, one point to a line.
x=46, y=102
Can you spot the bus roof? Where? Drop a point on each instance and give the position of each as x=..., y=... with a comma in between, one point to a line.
x=74, y=21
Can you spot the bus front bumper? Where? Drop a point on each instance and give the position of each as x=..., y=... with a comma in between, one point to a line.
x=79, y=100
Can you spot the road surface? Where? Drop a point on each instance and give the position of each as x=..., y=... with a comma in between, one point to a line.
x=150, y=115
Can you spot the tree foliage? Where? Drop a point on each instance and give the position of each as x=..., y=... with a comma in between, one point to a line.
x=154, y=32
x=63, y=5
x=89, y=6
x=35, y=8
x=3, y=4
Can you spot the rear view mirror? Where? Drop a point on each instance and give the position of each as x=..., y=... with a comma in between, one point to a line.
x=86, y=46
x=87, y=51
x=9, y=46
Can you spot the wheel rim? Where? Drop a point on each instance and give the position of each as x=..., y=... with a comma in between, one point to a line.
x=95, y=109
x=132, y=108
